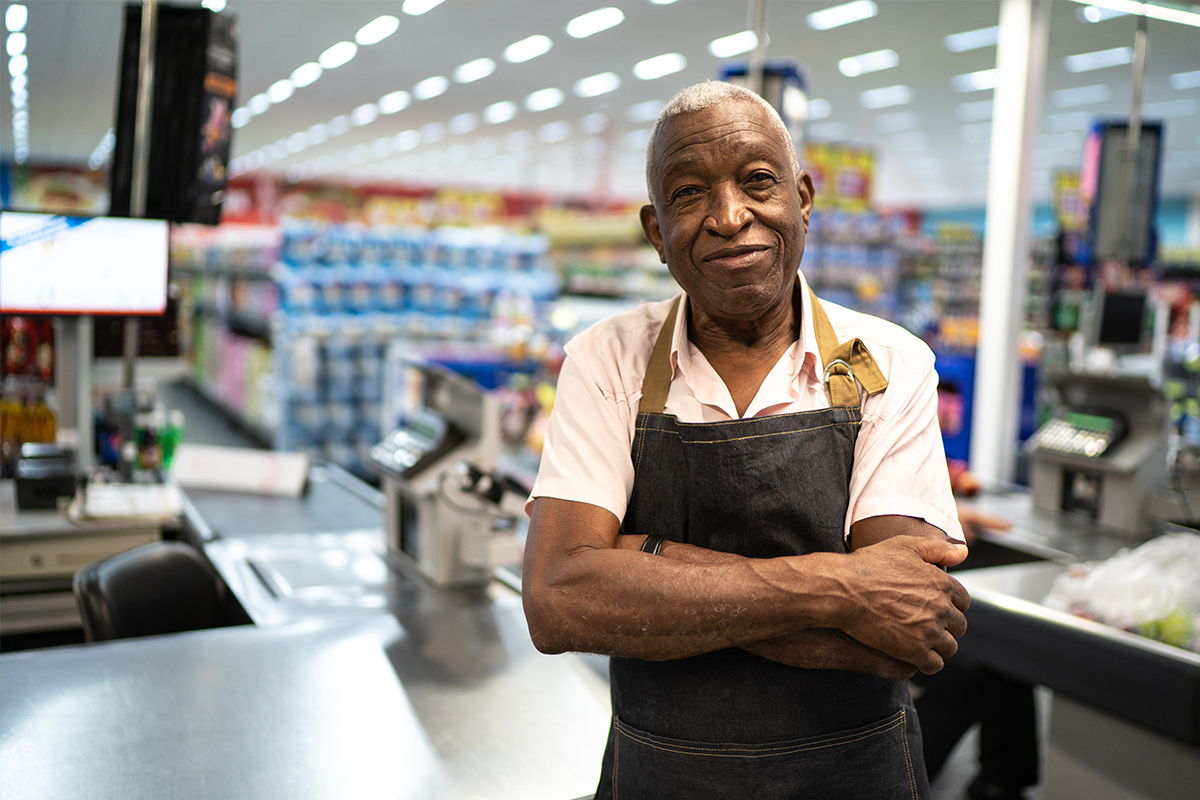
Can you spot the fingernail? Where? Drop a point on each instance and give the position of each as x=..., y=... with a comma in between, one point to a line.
x=952, y=540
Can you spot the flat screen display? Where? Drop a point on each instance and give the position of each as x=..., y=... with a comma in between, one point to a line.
x=52, y=264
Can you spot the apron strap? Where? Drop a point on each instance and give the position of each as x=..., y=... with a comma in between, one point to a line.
x=844, y=363
x=657, y=381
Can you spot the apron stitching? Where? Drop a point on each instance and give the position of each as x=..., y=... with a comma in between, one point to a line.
x=810, y=412
x=782, y=751
x=616, y=758
x=743, y=438
x=912, y=781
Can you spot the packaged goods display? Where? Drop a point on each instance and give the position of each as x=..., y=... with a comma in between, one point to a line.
x=289, y=326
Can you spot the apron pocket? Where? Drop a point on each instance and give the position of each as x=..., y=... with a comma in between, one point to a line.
x=874, y=762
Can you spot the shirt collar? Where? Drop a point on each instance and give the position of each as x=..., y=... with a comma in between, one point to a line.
x=803, y=351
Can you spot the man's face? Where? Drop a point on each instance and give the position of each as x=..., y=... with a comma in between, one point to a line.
x=731, y=216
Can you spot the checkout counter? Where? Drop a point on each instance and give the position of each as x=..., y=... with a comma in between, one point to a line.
x=362, y=677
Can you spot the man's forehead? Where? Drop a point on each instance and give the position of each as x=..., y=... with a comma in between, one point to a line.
x=684, y=136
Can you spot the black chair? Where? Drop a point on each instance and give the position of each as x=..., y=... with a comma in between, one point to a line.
x=162, y=587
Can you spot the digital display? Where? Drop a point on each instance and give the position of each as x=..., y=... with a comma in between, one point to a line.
x=51, y=264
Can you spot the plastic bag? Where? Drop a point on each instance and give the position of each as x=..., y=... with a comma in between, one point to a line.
x=1153, y=589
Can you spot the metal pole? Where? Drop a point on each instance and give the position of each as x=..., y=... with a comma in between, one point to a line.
x=141, y=164
x=758, y=24
x=1129, y=156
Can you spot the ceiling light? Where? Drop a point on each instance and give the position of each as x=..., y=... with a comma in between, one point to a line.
x=19, y=83
x=819, y=109
x=972, y=40
x=279, y=149
x=1170, y=108
x=976, y=81
x=382, y=147
x=544, y=99
x=392, y=102
x=419, y=7
x=662, y=2
x=868, y=62
x=597, y=84
x=18, y=64
x=15, y=17
x=594, y=21
x=644, y=112
x=886, y=97
x=337, y=55
x=339, y=125
x=464, y=123
x=406, y=140
x=973, y=112
x=216, y=6
x=364, y=114
x=15, y=44
x=258, y=104
x=240, y=117
x=734, y=44
x=433, y=132
x=596, y=122
x=280, y=91
x=317, y=133
x=499, y=112
x=474, y=70
x=1169, y=13
x=103, y=150
x=1097, y=14
x=297, y=142
x=553, y=132
x=359, y=154
x=1082, y=95
x=659, y=66
x=1185, y=80
x=377, y=30
x=527, y=48
x=430, y=87
x=841, y=15
x=1100, y=59
x=900, y=121
x=305, y=74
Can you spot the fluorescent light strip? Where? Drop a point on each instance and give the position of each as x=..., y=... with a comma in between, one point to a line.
x=594, y=22
x=15, y=18
x=103, y=150
x=854, y=66
x=418, y=7
x=836, y=16
x=972, y=40
x=597, y=84
x=474, y=70
x=659, y=66
x=886, y=97
x=1100, y=59
x=528, y=48
x=733, y=45
x=1185, y=80
x=377, y=30
x=1168, y=12
x=976, y=81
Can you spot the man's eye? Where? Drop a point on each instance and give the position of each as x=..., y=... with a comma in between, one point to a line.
x=686, y=191
x=762, y=177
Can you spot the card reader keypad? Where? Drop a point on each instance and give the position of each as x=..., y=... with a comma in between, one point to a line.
x=1066, y=437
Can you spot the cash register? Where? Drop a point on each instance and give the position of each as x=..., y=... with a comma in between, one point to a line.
x=1103, y=450
x=449, y=514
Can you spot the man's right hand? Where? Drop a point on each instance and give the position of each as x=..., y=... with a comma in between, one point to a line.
x=900, y=602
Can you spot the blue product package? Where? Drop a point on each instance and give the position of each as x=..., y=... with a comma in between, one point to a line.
x=360, y=289
x=331, y=289
x=389, y=294
x=345, y=245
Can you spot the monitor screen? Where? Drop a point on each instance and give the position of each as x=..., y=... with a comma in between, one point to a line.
x=51, y=264
x=1122, y=320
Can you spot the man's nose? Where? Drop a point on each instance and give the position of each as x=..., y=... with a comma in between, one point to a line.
x=728, y=212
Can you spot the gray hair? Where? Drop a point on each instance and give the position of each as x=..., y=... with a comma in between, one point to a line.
x=706, y=95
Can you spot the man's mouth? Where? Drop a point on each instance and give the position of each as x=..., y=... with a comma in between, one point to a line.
x=739, y=257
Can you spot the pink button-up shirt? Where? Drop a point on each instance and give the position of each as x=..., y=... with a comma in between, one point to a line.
x=899, y=462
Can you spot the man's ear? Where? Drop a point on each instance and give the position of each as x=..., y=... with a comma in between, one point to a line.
x=804, y=186
x=653, y=234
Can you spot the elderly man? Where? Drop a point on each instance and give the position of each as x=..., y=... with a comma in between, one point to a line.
x=743, y=497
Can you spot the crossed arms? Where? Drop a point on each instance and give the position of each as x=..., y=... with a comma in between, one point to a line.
x=885, y=608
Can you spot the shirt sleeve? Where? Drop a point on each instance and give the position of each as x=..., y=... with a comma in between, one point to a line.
x=586, y=456
x=899, y=462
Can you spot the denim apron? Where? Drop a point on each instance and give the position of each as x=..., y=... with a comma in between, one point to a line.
x=729, y=724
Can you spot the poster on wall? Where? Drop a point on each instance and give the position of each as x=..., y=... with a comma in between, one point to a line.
x=842, y=175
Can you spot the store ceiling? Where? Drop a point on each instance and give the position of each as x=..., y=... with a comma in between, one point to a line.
x=932, y=151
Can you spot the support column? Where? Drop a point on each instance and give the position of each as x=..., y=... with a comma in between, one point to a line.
x=1016, y=122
